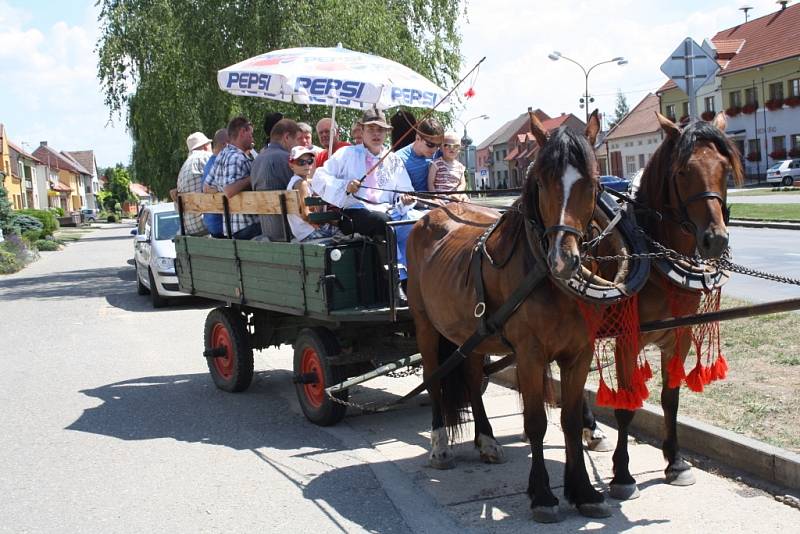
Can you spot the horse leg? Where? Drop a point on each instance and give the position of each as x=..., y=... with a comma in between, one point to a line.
x=490, y=450
x=595, y=439
x=428, y=340
x=623, y=485
x=678, y=471
x=577, y=488
x=530, y=376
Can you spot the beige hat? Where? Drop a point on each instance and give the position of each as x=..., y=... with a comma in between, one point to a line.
x=196, y=140
x=451, y=138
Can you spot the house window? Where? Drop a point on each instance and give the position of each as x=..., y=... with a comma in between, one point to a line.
x=779, y=143
x=795, y=141
x=735, y=99
x=740, y=147
x=630, y=165
x=751, y=96
x=641, y=161
x=794, y=87
x=754, y=148
x=685, y=108
x=776, y=91
x=671, y=111
x=708, y=104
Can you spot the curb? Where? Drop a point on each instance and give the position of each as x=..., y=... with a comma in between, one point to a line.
x=777, y=225
x=766, y=462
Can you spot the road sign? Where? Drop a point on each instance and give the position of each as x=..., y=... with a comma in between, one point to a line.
x=484, y=173
x=691, y=66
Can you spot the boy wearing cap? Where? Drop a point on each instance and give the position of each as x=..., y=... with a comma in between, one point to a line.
x=190, y=178
x=301, y=161
x=446, y=172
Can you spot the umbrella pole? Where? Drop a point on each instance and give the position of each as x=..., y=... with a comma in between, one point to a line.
x=333, y=124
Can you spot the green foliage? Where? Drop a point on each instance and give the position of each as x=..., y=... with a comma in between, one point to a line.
x=58, y=211
x=111, y=218
x=171, y=50
x=32, y=235
x=118, y=186
x=46, y=217
x=6, y=215
x=620, y=110
x=8, y=261
x=26, y=223
x=15, y=253
x=46, y=244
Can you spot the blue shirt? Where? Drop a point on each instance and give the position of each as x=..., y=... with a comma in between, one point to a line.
x=416, y=166
x=213, y=221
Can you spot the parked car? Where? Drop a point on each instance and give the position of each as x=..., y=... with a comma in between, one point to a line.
x=88, y=214
x=614, y=182
x=784, y=172
x=154, y=253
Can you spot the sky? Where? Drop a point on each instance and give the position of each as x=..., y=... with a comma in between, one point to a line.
x=48, y=65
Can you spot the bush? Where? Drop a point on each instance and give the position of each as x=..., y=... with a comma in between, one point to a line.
x=20, y=254
x=32, y=235
x=8, y=261
x=46, y=217
x=46, y=245
x=111, y=218
x=58, y=211
x=26, y=223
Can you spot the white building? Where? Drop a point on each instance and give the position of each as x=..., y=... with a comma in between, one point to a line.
x=630, y=144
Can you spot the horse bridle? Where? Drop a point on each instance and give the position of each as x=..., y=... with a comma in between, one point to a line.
x=536, y=220
x=686, y=223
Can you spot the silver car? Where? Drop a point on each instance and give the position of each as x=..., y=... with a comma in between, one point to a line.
x=154, y=253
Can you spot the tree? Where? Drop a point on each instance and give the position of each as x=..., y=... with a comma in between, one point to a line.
x=171, y=50
x=6, y=215
x=620, y=110
x=118, y=187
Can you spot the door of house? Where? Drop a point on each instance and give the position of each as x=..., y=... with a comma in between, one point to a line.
x=616, y=164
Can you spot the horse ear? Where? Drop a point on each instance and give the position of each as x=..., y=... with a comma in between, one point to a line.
x=593, y=127
x=720, y=122
x=538, y=131
x=670, y=128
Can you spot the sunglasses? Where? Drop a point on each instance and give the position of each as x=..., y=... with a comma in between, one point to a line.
x=303, y=162
x=431, y=145
x=451, y=145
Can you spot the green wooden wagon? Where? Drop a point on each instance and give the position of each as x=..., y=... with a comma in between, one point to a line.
x=327, y=299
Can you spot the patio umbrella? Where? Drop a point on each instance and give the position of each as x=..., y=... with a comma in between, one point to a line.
x=330, y=76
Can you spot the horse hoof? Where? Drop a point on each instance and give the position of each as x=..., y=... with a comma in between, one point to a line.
x=597, y=441
x=680, y=478
x=594, y=509
x=491, y=451
x=624, y=492
x=443, y=461
x=546, y=514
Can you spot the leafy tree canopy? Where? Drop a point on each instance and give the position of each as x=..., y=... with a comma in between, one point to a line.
x=118, y=188
x=620, y=110
x=159, y=60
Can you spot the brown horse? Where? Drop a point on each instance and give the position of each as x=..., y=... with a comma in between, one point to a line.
x=683, y=189
x=559, y=193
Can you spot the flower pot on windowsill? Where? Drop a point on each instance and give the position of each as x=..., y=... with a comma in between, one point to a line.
x=774, y=104
x=733, y=111
x=707, y=116
x=792, y=101
x=778, y=154
x=749, y=109
x=754, y=156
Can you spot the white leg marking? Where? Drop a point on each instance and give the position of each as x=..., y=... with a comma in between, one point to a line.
x=441, y=456
x=491, y=451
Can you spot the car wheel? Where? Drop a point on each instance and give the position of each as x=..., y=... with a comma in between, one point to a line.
x=227, y=350
x=141, y=289
x=157, y=300
x=787, y=181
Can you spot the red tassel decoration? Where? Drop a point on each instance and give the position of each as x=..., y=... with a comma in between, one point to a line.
x=647, y=373
x=605, y=397
x=720, y=368
x=469, y=93
x=694, y=380
x=675, y=372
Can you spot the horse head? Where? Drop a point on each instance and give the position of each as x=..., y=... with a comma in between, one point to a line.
x=698, y=162
x=561, y=188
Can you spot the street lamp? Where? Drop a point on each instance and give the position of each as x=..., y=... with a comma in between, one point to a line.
x=586, y=99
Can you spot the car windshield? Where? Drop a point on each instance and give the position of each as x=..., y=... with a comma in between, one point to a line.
x=167, y=225
x=776, y=166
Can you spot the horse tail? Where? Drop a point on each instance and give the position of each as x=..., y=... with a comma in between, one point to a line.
x=455, y=390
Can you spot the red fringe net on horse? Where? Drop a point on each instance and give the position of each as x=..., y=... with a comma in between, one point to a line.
x=614, y=332
x=710, y=364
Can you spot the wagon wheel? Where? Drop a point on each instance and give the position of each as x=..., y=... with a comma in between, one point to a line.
x=227, y=350
x=313, y=373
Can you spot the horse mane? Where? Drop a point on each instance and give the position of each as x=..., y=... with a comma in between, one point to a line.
x=674, y=153
x=564, y=147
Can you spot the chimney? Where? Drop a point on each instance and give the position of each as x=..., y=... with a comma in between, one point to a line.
x=42, y=143
x=530, y=109
x=783, y=4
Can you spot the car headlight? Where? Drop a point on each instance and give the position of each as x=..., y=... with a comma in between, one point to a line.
x=165, y=264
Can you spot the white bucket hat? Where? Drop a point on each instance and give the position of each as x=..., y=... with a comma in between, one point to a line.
x=196, y=140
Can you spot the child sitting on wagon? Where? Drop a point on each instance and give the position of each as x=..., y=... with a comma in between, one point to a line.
x=301, y=161
x=446, y=173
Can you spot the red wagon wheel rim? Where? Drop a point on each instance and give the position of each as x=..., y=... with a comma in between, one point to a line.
x=221, y=338
x=310, y=363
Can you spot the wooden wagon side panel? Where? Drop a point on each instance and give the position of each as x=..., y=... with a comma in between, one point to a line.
x=314, y=258
x=272, y=274
x=208, y=266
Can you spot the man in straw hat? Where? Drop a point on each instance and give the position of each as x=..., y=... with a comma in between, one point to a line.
x=358, y=180
x=190, y=178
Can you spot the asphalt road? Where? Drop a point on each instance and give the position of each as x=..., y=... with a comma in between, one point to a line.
x=112, y=424
x=769, y=250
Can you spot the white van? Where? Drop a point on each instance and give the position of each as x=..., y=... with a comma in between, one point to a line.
x=784, y=172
